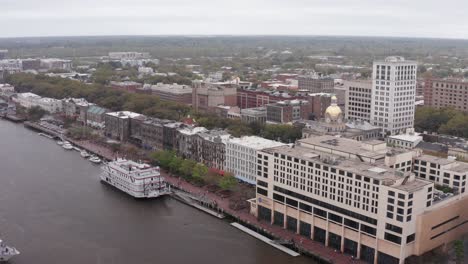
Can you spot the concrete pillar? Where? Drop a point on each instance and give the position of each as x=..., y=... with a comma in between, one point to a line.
x=312, y=227
x=326, y=233
x=359, y=246
x=376, y=250
x=342, y=237
x=272, y=212
x=285, y=215
x=298, y=219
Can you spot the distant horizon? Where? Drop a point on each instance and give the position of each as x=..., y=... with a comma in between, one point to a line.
x=230, y=35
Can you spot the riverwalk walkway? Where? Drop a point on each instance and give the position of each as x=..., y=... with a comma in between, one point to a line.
x=265, y=239
x=303, y=244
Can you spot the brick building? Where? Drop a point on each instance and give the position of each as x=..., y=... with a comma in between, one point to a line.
x=316, y=84
x=287, y=111
x=126, y=86
x=207, y=96
x=258, y=98
x=440, y=93
x=169, y=92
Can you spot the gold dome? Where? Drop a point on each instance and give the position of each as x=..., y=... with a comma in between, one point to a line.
x=333, y=112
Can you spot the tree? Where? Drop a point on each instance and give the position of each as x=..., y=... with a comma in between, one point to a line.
x=199, y=172
x=228, y=182
x=186, y=167
x=174, y=164
x=35, y=113
x=163, y=158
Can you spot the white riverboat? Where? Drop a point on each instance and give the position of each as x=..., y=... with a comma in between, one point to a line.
x=6, y=252
x=139, y=180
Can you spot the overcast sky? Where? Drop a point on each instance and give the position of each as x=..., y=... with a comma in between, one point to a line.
x=411, y=18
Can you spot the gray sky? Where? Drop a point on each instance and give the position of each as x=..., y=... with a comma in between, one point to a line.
x=411, y=18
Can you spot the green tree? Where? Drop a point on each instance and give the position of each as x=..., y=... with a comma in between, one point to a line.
x=174, y=164
x=199, y=172
x=163, y=158
x=228, y=182
x=35, y=113
x=186, y=167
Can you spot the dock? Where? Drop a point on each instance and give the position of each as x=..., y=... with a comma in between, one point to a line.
x=265, y=239
x=14, y=118
x=196, y=203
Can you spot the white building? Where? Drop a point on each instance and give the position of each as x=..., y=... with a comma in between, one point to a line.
x=128, y=55
x=358, y=100
x=29, y=100
x=359, y=198
x=409, y=140
x=241, y=156
x=443, y=171
x=145, y=70
x=393, y=94
x=56, y=64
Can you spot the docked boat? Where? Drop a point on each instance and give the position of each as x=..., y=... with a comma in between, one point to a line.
x=67, y=146
x=139, y=180
x=95, y=159
x=7, y=252
x=60, y=142
x=84, y=154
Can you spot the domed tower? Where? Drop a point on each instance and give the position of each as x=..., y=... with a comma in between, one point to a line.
x=333, y=113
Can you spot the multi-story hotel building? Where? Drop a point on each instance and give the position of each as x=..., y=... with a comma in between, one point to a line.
x=393, y=94
x=358, y=100
x=359, y=198
x=440, y=93
x=241, y=156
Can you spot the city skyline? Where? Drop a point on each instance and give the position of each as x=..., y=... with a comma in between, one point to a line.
x=260, y=17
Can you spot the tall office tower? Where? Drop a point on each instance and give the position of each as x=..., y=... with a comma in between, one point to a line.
x=393, y=94
x=358, y=99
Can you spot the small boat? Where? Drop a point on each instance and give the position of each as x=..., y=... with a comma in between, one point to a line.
x=95, y=159
x=67, y=146
x=84, y=154
x=6, y=252
x=60, y=142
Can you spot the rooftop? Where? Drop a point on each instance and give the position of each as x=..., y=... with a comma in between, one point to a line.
x=124, y=114
x=172, y=88
x=374, y=149
x=409, y=137
x=255, y=142
x=386, y=175
x=190, y=130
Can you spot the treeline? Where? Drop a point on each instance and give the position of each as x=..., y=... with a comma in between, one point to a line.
x=192, y=171
x=99, y=94
x=447, y=121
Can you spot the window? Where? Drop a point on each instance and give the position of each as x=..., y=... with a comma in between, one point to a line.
x=393, y=228
x=410, y=238
x=392, y=238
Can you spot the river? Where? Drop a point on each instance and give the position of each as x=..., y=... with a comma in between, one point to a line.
x=54, y=210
